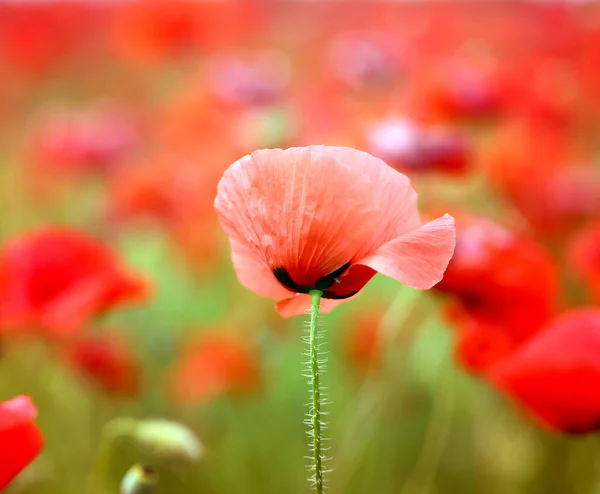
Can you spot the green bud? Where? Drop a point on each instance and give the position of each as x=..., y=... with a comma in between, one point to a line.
x=168, y=442
x=139, y=479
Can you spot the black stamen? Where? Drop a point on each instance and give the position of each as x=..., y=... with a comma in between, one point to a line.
x=286, y=280
x=322, y=284
x=328, y=280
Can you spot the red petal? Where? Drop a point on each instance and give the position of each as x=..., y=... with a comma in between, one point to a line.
x=556, y=375
x=418, y=258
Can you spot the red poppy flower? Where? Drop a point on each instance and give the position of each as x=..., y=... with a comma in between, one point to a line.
x=522, y=149
x=538, y=169
x=364, y=59
x=505, y=286
x=408, y=146
x=108, y=362
x=151, y=30
x=254, y=78
x=556, y=375
x=481, y=342
x=175, y=193
x=35, y=38
x=501, y=274
x=20, y=439
x=462, y=90
x=583, y=255
x=93, y=139
x=362, y=343
x=59, y=279
x=326, y=218
x=216, y=364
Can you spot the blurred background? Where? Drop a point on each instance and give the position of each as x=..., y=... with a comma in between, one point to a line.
x=117, y=119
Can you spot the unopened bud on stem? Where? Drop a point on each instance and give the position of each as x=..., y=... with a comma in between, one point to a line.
x=169, y=442
x=139, y=479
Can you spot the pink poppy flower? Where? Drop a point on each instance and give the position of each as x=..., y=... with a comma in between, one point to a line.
x=326, y=218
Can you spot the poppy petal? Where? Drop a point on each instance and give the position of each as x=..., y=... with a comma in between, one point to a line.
x=298, y=209
x=16, y=412
x=20, y=439
x=21, y=445
x=555, y=376
x=418, y=258
x=393, y=194
x=78, y=304
x=253, y=273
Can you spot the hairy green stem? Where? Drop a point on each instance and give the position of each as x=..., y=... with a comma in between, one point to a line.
x=315, y=411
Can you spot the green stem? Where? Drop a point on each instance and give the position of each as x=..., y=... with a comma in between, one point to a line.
x=99, y=479
x=315, y=422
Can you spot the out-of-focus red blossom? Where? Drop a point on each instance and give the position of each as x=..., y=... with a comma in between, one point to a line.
x=362, y=59
x=556, y=202
x=555, y=376
x=460, y=89
x=20, y=439
x=150, y=30
x=480, y=341
x=522, y=149
x=106, y=360
x=214, y=365
x=412, y=147
x=583, y=257
x=504, y=285
x=93, y=139
x=550, y=94
x=362, y=340
x=58, y=280
x=36, y=37
x=177, y=193
x=255, y=78
x=536, y=168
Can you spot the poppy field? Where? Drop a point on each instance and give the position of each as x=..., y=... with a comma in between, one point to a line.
x=283, y=247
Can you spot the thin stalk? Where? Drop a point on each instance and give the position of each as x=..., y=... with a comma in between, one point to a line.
x=315, y=413
x=99, y=479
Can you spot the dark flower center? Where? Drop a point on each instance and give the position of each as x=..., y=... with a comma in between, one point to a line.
x=322, y=283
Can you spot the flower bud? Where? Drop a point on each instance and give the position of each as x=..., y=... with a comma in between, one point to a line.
x=168, y=441
x=139, y=479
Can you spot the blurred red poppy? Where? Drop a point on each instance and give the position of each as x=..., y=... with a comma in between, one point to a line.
x=364, y=59
x=537, y=167
x=505, y=286
x=20, y=439
x=107, y=361
x=159, y=29
x=480, y=342
x=409, y=146
x=555, y=376
x=326, y=218
x=90, y=139
x=256, y=77
x=37, y=37
x=213, y=365
x=583, y=257
x=521, y=150
x=58, y=279
x=362, y=340
x=461, y=89
x=177, y=194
